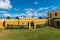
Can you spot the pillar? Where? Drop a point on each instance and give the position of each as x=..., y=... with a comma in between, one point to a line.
x=34, y=26
x=29, y=25
x=55, y=24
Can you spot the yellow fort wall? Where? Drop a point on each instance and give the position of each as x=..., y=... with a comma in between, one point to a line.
x=11, y=22
x=22, y=21
x=36, y=21
x=1, y=23
x=41, y=21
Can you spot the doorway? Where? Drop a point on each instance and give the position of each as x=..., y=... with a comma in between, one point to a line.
x=32, y=25
x=58, y=23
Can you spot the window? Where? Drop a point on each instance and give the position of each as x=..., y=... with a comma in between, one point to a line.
x=55, y=14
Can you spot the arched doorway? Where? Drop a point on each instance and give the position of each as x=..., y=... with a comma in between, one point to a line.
x=31, y=25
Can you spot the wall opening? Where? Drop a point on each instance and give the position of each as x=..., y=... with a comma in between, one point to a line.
x=58, y=23
x=32, y=25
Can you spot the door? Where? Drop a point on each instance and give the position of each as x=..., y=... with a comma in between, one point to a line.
x=32, y=25
x=58, y=23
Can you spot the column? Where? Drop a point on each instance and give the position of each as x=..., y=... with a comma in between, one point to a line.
x=29, y=25
x=34, y=26
x=55, y=24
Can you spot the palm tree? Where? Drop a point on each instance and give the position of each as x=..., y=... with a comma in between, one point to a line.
x=8, y=17
x=24, y=16
x=18, y=19
x=32, y=16
x=40, y=17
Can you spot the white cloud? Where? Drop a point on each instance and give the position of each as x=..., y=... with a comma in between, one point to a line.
x=16, y=9
x=44, y=8
x=22, y=15
x=28, y=9
x=6, y=14
x=32, y=13
x=35, y=14
x=2, y=11
x=17, y=15
x=41, y=8
x=29, y=13
x=35, y=2
x=54, y=7
x=47, y=8
x=5, y=4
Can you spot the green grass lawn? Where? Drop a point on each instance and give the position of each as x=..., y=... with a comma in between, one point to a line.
x=43, y=33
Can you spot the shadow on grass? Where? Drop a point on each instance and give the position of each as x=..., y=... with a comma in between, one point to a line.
x=16, y=27
x=25, y=27
x=42, y=25
x=54, y=26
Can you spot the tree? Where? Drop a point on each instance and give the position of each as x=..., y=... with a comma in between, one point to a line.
x=8, y=17
x=45, y=17
x=17, y=17
x=40, y=17
x=24, y=16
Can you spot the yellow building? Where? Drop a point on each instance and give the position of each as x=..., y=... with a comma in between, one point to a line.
x=31, y=23
x=1, y=23
x=54, y=18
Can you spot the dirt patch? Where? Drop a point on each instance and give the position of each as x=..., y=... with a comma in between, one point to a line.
x=4, y=33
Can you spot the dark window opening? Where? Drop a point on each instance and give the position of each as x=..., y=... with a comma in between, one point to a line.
x=58, y=23
x=55, y=14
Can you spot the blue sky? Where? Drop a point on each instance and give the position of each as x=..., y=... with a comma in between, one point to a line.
x=27, y=8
